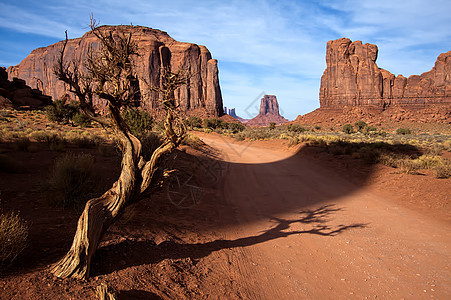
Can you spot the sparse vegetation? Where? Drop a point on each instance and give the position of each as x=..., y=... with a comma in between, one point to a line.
x=272, y=125
x=72, y=180
x=296, y=128
x=348, y=128
x=61, y=112
x=236, y=127
x=13, y=237
x=403, y=131
x=215, y=123
x=193, y=122
x=139, y=121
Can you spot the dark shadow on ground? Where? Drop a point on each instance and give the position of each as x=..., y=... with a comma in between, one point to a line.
x=134, y=253
x=52, y=229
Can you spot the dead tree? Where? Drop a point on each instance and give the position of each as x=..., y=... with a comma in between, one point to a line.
x=108, y=74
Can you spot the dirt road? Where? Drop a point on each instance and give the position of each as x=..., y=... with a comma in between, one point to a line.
x=303, y=231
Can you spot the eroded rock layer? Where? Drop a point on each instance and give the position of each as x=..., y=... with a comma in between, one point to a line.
x=202, y=96
x=352, y=78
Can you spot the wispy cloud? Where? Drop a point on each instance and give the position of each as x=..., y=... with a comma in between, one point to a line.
x=263, y=45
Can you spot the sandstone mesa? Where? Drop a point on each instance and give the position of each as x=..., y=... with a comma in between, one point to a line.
x=202, y=97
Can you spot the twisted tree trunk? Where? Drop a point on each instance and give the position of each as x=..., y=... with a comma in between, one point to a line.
x=136, y=177
x=111, y=73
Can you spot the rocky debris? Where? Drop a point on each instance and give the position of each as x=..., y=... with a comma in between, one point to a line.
x=157, y=48
x=18, y=94
x=337, y=117
x=352, y=78
x=269, y=112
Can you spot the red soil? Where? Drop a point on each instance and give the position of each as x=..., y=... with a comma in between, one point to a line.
x=272, y=223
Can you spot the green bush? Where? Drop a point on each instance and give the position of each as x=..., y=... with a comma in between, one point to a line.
x=296, y=128
x=215, y=123
x=13, y=237
x=61, y=112
x=403, y=131
x=193, y=122
x=272, y=125
x=81, y=119
x=236, y=127
x=348, y=128
x=139, y=121
x=72, y=179
x=360, y=125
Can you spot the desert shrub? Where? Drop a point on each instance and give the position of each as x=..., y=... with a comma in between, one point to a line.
x=296, y=128
x=83, y=142
x=193, y=122
x=293, y=141
x=72, y=179
x=369, y=130
x=403, y=131
x=81, y=119
x=443, y=170
x=9, y=165
x=429, y=161
x=272, y=125
x=360, y=125
x=192, y=141
x=55, y=142
x=139, y=121
x=240, y=136
x=236, y=127
x=149, y=142
x=408, y=166
x=370, y=155
x=435, y=149
x=348, y=128
x=13, y=237
x=215, y=123
x=317, y=127
x=61, y=112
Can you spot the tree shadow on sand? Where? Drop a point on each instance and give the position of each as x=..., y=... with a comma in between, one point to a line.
x=133, y=253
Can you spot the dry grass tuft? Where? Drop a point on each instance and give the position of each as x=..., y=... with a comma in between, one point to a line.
x=72, y=180
x=13, y=237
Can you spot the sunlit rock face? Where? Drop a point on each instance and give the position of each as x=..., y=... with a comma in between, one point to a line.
x=202, y=96
x=352, y=78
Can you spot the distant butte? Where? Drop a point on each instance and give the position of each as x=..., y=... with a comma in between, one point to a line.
x=269, y=113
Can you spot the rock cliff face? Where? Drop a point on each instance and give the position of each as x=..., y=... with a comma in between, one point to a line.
x=203, y=96
x=269, y=112
x=352, y=78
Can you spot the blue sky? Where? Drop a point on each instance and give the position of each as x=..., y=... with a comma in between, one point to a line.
x=273, y=47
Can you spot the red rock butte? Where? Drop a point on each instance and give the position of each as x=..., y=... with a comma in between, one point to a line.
x=202, y=96
x=269, y=113
x=352, y=78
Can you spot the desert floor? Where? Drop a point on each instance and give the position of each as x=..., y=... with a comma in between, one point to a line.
x=261, y=221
